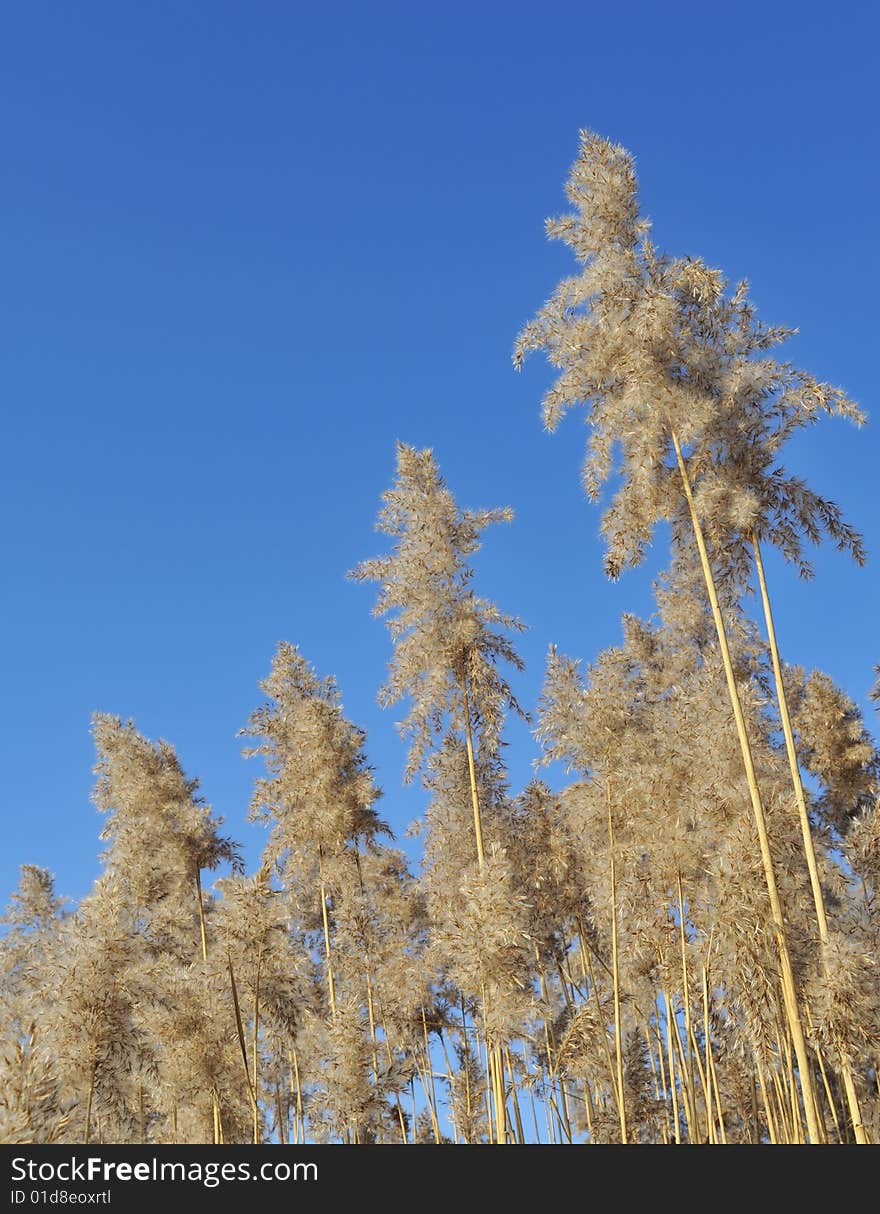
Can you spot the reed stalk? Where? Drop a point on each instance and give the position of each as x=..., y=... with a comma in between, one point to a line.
x=788, y=983
x=239, y=1026
x=673, y=1087
x=769, y=1117
x=806, y=831
x=685, y=996
x=615, y=969
x=331, y=985
x=203, y=936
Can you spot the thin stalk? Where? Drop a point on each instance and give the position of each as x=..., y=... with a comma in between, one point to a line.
x=516, y=1110
x=861, y=1134
x=686, y=1091
x=89, y=1098
x=427, y=1086
x=400, y=1117
x=752, y=1122
x=655, y=1079
x=685, y=995
x=588, y=1106
x=492, y=1109
x=475, y=796
x=299, y=1100
x=790, y=749
x=551, y=1050
x=615, y=969
x=549, y=1106
x=331, y=986
x=561, y=1115
x=806, y=833
x=786, y=1112
x=449, y=1079
x=490, y=1115
x=788, y=983
x=255, y=1044
x=768, y=1112
x=829, y=1096
x=684, y=1072
x=432, y=1097
x=534, y=1111
x=203, y=933
x=783, y=1111
x=371, y=1013
x=664, y=1087
x=792, y=1089
x=500, y=1095
x=711, y=1073
x=612, y=1071
x=292, y=1087
x=493, y=1053
x=401, y=1120
x=515, y=1096
x=202, y=929
x=241, y=1042
x=368, y=978
x=676, y=1123
x=705, y=1085
x=467, y=1070
x=564, y=1094
x=567, y=994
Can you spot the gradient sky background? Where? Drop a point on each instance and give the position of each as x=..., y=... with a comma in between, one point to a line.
x=247, y=246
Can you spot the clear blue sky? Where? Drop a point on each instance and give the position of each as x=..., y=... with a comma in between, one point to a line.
x=247, y=246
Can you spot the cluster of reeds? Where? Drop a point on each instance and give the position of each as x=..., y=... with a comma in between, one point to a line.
x=680, y=945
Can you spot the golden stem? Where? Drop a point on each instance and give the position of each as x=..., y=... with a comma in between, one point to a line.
x=711, y=1072
x=566, y=1117
x=788, y=983
x=607, y=1050
x=467, y=1069
x=432, y=1094
x=475, y=796
x=792, y=1088
x=861, y=1134
x=255, y=1044
x=299, y=1100
x=804, y=818
x=686, y=1092
x=449, y=1079
x=203, y=933
x=588, y=1106
x=241, y=1042
x=326, y=922
x=685, y=995
x=655, y=1079
x=671, y=1059
x=768, y=1112
x=664, y=1087
x=615, y=969
x=280, y=1117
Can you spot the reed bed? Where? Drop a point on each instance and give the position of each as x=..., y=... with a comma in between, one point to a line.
x=678, y=944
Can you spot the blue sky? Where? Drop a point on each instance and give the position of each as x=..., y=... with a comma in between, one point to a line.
x=246, y=247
